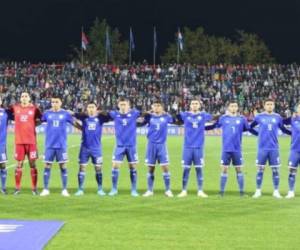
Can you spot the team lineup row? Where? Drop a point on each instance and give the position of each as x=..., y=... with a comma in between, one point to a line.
x=265, y=125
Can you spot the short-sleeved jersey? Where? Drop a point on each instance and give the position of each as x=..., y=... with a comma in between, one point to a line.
x=56, y=128
x=269, y=124
x=4, y=117
x=25, y=123
x=232, y=132
x=194, y=128
x=125, y=127
x=91, y=130
x=158, y=127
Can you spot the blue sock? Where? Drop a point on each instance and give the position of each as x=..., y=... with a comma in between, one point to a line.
x=292, y=180
x=150, y=181
x=276, y=178
x=259, y=178
x=166, y=176
x=114, y=178
x=3, y=178
x=99, y=179
x=185, y=177
x=47, y=174
x=199, y=178
x=240, y=180
x=133, y=178
x=64, y=177
x=223, y=181
x=81, y=177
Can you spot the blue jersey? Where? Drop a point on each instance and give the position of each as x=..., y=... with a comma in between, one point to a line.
x=91, y=130
x=232, y=131
x=125, y=127
x=158, y=127
x=295, y=125
x=3, y=127
x=194, y=127
x=56, y=129
x=268, y=125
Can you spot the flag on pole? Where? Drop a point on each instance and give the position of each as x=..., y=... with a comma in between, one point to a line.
x=131, y=40
x=107, y=43
x=180, y=40
x=84, y=41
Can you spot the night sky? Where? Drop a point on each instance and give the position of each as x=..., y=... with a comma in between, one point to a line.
x=43, y=30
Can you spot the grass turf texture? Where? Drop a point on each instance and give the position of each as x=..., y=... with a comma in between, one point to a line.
x=124, y=222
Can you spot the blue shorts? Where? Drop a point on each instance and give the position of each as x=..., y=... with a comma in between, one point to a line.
x=157, y=153
x=192, y=156
x=294, y=159
x=232, y=157
x=129, y=151
x=60, y=155
x=85, y=154
x=3, y=156
x=272, y=156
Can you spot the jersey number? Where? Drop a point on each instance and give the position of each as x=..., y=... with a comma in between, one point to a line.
x=195, y=124
x=92, y=126
x=270, y=126
x=56, y=123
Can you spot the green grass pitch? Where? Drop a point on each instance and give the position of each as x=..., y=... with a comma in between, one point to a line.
x=124, y=222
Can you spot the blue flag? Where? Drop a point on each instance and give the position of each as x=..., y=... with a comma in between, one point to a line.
x=131, y=40
x=180, y=40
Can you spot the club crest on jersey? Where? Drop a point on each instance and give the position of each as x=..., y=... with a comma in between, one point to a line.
x=61, y=116
x=30, y=112
x=273, y=120
x=199, y=118
x=238, y=122
x=96, y=119
x=162, y=119
x=129, y=115
x=226, y=121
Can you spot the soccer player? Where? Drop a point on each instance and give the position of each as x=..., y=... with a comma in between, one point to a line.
x=4, y=117
x=26, y=116
x=157, y=149
x=268, y=149
x=294, y=158
x=91, y=147
x=194, y=128
x=125, y=133
x=233, y=125
x=56, y=143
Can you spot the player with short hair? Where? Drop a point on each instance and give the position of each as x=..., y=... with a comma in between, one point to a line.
x=233, y=125
x=194, y=128
x=157, y=151
x=125, y=133
x=91, y=147
x=26, y=116
x=268, y=149
x=4, y=118
x=56, y=143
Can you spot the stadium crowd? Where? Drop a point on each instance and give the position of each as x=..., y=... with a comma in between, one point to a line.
x=173, y=84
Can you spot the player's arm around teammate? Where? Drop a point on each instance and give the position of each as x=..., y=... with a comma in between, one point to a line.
x=156, y=148
x=193, y=149
x=56, y=120
x=91, y=146
x=125, y=120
